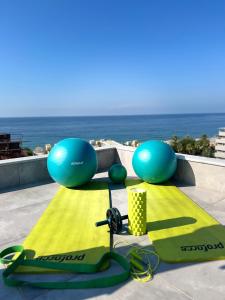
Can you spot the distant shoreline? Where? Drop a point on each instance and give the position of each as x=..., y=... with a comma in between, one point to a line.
x=38, y=131
x=119, y=116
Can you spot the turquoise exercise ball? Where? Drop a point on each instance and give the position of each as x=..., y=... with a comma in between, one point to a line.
x=154, y=161
x=72, y=162
x=117, y=173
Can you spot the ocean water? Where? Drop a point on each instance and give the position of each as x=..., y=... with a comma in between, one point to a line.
x=42, y=130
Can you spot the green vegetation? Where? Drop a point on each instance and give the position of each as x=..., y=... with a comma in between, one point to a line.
x=189, y=145
x=27, y=151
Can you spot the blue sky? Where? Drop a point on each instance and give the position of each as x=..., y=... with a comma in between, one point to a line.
x=110, y=57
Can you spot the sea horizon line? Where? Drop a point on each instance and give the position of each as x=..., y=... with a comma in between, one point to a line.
x=113, y=115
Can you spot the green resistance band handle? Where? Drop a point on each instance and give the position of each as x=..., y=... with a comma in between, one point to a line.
x=106, y=281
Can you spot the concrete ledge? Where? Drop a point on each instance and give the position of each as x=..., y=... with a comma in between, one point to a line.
x=106, y=156
x=202, y=160
x=13, y=161
x=204, y=172
x=201, y=171
x=208, y=176
x=24, y=170
x=33, y=169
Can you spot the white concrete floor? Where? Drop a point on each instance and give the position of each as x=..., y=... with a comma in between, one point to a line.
x=20, y=210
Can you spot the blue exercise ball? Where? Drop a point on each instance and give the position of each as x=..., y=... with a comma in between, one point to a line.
x=117, y=173
x=72, y=162
x=154, y=161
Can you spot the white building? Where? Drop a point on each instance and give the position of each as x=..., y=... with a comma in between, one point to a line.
x=220, y=144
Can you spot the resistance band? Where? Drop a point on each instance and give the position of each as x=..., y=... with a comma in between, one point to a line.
x=21, y=260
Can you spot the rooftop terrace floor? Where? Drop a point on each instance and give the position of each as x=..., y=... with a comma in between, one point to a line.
x=21, y=208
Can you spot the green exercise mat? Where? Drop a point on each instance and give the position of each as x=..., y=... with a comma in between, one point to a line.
x=66, y=231
x=180, y=230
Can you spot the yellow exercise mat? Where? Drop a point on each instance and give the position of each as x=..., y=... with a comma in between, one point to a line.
x=180, y=230
x=66, y=231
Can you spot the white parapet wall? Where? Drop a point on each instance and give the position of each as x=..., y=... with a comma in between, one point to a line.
x=21, y=171
x=33, y=169
x=204, y=172
x=201, y=171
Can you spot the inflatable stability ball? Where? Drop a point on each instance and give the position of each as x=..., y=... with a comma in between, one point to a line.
x=154, y=161
x=72, y=162
x=117, y=173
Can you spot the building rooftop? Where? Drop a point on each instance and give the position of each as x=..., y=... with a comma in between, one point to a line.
x=20, y=209
x=26, y=190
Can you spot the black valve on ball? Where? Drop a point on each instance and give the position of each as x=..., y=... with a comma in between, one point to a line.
x=113, y=219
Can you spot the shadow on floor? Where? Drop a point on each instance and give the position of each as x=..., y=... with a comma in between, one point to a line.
x=25, y=186
x=170, y=223
x=163, y=224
